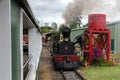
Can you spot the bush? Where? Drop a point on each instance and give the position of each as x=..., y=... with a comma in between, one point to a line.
x=101, y=62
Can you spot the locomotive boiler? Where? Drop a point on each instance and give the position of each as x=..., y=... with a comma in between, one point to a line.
x=64, y=56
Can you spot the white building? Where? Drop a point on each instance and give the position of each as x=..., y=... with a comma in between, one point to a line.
x=16, y=19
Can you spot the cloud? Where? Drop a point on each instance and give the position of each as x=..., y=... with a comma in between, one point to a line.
x=52, y=10
x=85, y=7
x=48, y=10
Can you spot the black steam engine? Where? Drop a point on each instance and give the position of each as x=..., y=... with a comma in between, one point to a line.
x=64, y=56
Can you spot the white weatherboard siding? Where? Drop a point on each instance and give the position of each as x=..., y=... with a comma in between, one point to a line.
x=38, y=48
x=34, y=46
x=34, y=51
x=31, y=38
x=5, y=40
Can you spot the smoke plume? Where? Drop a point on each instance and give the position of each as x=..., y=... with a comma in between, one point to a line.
x=80, y=8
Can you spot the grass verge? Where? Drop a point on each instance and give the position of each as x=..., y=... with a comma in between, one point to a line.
x=102, y=73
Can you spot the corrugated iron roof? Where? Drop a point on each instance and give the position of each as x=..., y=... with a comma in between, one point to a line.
x=112, y=23
x=108, y=24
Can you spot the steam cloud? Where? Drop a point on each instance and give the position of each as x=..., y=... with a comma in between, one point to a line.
x=80, y=8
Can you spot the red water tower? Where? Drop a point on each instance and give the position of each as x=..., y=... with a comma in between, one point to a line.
x=96, y=38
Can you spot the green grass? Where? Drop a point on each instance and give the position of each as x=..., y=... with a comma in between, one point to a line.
x=102, y=73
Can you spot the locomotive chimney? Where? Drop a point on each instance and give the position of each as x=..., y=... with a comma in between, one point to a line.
x=66, y=32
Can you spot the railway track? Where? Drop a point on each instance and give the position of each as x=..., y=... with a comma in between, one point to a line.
x=69, y=75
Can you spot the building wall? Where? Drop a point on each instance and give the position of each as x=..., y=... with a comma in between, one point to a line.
x=115, y=37
x=112, y=37
x=35, y=46
x=118, y=38
x=76, y=32
x=11, y=44
x=5, y=41
x=112, y=29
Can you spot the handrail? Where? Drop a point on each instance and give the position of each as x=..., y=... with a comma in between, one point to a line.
x=27, y=62
x=28, y=76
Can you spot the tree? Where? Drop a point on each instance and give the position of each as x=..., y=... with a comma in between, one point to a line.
x=44, y=29
x=60, y=28
x=86, y=25
x=46, y=25
x=54, y=25
x=75, y=22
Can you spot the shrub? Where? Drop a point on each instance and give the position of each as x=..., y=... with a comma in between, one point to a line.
x=101, y=62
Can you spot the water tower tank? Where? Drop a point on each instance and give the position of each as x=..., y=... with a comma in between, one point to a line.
x=97, y=21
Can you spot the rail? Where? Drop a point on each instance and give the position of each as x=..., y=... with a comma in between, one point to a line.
x=63, y=75
x=71, y=75
x=79, y=75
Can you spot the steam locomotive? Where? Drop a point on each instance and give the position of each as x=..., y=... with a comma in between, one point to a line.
x=64, y=56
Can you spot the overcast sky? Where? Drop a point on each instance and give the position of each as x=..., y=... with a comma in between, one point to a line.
x=48, y=11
